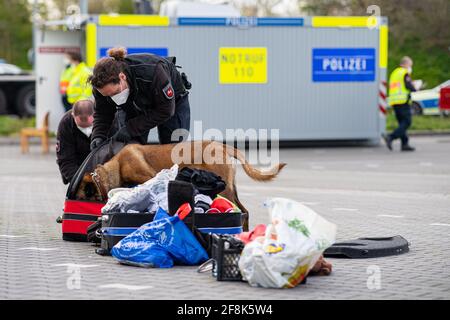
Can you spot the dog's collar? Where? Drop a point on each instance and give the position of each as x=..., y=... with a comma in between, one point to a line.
x=100, y=187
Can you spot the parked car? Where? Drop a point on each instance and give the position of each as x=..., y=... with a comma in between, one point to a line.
x=426, y=102
x=17, y=91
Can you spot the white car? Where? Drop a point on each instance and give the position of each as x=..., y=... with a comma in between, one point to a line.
x=6, y=68
x=427, y=101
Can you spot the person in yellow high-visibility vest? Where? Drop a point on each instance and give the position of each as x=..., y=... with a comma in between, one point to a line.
x=78, y=87
x=400, y=88
x=64, y=79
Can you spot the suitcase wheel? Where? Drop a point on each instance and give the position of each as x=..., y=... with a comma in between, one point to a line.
x=102, y=252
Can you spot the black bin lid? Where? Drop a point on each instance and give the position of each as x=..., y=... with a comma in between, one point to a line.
x=368, y=248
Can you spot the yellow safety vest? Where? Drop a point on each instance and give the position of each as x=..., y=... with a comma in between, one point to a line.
x=66, y=74
x=398, y=93
x=78, y=87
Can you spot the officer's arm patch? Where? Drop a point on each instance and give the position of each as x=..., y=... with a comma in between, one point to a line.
x=168, y=91
x=58, y=146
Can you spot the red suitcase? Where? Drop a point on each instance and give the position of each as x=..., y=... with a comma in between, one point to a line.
x=77, y=217
x=80, y=214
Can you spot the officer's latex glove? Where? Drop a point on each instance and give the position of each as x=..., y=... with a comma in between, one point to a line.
x=96, y=142
x=122, y=135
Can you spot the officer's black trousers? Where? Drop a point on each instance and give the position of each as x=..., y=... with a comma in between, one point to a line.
x=180, y=120
x=67, y=105
x=403, y=115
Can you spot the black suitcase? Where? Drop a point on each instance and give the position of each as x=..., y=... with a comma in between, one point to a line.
x=93, y=231
x=206, y=225
x=202, y=225
x=116, y=226
x=180, y=192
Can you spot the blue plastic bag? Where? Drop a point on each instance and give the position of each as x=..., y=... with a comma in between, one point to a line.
x=161, y=243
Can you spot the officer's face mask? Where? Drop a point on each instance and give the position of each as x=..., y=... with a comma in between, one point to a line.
x=122, y=96
x=409, y=70
x=67, y=61
x=87, y=131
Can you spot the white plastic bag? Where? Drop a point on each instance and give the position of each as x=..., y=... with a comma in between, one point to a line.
x=146, y=197
x=293, y=243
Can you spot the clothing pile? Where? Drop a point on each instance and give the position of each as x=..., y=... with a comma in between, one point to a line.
x=166, y=220
x=153, y=194
x=146, y=197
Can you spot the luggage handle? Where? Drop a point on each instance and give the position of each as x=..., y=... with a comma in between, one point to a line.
x=99, y=233
x=184, y=210
x=206, y=266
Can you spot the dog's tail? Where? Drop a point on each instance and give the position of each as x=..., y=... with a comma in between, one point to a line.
x=252, y=172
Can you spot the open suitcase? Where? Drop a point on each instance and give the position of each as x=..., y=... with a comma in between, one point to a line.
x=113, y=227
x=116, y=226
x=80, y=214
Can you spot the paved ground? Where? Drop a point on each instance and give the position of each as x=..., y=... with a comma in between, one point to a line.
x=366, y=191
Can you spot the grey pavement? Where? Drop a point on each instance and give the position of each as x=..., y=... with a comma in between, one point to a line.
x=365, y=191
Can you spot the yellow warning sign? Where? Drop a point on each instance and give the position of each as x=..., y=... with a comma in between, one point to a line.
x=242, y=65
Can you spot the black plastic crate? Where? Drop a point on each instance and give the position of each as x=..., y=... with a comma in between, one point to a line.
x=225, y=254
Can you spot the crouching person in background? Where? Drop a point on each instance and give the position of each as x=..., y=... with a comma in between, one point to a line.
x=73, y=138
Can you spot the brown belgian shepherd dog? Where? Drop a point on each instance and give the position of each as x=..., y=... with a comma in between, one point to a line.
x=135, y=164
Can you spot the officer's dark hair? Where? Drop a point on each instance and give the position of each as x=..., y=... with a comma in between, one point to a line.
x=75, y=56
x=107, y=69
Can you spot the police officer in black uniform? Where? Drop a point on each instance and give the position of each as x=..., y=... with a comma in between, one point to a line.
x=138, y=92
x=73, y=138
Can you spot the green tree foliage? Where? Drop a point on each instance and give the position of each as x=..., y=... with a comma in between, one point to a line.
x=107, y=6
x=126, y=7
x=16, y=23
x=97, y=7
x=15, y=31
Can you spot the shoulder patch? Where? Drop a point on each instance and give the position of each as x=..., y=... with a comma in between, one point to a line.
x=168, y=91
x=58, y=146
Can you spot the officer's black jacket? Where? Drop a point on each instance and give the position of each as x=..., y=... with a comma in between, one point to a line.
x=147, y=106
x=72, y=147
x=408, y=83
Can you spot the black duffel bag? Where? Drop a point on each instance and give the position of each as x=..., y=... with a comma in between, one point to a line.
x=206, y=182
x=203, y=225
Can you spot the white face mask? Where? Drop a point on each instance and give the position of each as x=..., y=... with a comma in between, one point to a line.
x=409, y=70
x=67, y=61
x=87, y=131
x=121, y=97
